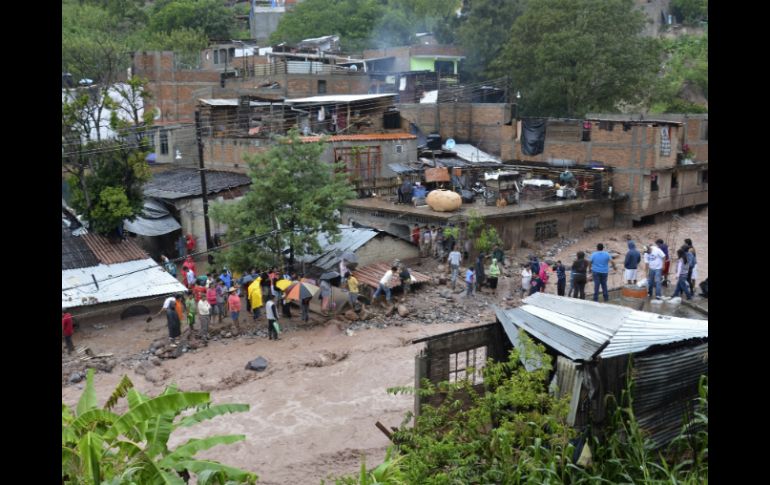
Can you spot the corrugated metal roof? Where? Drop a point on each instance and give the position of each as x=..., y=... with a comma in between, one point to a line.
x=231, y=102
x=180, y=183
x=579, y=328
x=641, y=330
x=141, y=278
x=472, y=154
x=573, y=345
x=371, y=275
x=401, y=168
x=338, y=98
x=361, y=137
x=75, y=253
x=665, y=387
x=351, y=238
x=113, y=253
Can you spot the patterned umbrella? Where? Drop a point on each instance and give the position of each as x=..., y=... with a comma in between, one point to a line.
x=300, y=291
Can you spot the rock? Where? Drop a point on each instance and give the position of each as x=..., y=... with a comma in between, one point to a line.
x=156, y=375
x=351, y=315
x=390, y=311
x=349, y=333
x=142, y=368
x=228, y=335
x=259, y=364
x=445, y=293
x=441, y=268
x=403, y=310
x=75, y=377
x=155, y=361
x=442, y=280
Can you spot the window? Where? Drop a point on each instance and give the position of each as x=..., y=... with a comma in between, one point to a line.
x=545, y=230
x=399, y=148
x=703, y=177
x=321, y=86
x=565, y=131
x=674, y=180
x=653, y=183
x=216, y=57
x=461, y=362
x=163, y=142
x=361, y=163
x=704, y=130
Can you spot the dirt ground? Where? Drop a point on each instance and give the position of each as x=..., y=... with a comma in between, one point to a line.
x=313, y=411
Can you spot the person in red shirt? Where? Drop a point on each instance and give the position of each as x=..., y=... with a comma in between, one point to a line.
x=66, y=326
x=198, y=292
x=234, y=303
x=190, y=243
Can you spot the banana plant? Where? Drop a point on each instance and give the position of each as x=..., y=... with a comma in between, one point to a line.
x=101, y=447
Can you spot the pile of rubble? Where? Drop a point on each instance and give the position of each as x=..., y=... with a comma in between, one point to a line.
x=74, y=369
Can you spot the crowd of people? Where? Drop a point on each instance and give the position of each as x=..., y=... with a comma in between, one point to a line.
x=652, y=263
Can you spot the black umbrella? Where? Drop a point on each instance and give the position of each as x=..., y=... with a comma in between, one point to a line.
x=330, y=275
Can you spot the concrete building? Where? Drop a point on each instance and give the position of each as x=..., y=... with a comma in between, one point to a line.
x=424, y=57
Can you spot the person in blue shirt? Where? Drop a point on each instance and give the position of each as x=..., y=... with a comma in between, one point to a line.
x=599, y=264
x=470, y=280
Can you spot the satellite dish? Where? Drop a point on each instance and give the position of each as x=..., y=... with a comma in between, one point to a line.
x=450, y=143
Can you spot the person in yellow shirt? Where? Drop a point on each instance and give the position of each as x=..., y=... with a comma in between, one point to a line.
x=353, y=289
x=255, y=297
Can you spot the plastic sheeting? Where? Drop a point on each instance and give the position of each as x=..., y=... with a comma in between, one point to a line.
x=154, y=221
x=532, y=136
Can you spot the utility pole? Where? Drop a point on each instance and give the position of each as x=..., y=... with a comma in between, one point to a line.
x=438, y=109
x=204, y=189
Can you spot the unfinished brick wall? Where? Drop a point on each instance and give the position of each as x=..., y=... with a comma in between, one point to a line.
x=228, y=153
x=480, y=124
x=173, y=90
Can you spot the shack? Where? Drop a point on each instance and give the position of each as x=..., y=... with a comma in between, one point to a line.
x=593, y=346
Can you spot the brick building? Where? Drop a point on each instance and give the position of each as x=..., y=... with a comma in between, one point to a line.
x=652, y=173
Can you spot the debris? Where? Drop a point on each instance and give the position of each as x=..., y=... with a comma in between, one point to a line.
x=403, y=310
x=351, y=315
x=76, y=377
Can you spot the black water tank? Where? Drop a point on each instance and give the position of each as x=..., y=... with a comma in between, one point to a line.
x=434, y=141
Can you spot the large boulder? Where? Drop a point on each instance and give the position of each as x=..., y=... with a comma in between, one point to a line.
x=403, y=310
x=444, y=200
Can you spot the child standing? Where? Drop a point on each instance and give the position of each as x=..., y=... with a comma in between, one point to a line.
x=526, y=279
x=470, y=281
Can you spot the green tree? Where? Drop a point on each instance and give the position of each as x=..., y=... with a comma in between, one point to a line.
x=106, y=176
x=186, y=43
x=482, y=32
x=684, y=76
x=570, y=57
x=484, y=236
x=690, y=12
x=101, y=446
x=292, y=191
x=352, y=20
x=209, y=16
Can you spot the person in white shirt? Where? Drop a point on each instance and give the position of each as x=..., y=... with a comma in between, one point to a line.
x=526, y=279
x=174, y=326
x=454, y=264
x=272, y=318
x=655, y=260
x=384, y=286
x=204, y=314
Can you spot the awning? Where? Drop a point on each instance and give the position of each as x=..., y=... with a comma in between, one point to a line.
x=152, y=227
